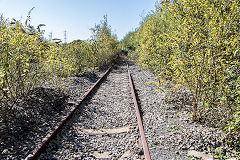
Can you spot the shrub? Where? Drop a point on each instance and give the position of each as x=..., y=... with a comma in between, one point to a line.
x=26, y=63
x=195, y=44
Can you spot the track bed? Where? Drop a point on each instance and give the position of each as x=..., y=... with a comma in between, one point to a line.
x=105, y=126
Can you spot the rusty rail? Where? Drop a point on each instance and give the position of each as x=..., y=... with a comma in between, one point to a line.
x=140, y=125
x=36, y=153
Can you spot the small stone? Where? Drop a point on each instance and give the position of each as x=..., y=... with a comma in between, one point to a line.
x=126, y=154
x=5, y=151
x=191, y=148
x=72, y=103
x=200, y=155
x=185, y=147
x=101, y=155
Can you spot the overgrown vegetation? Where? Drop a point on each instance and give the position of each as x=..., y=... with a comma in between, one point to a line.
x=28, y=61
x=100, y=50
x=195, y=45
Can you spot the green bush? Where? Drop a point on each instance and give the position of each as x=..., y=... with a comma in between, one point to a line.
x=195, y=45
x=81, y=56
x=104, y=43
x=101, y=49
x=129, y=45
x=26, y=62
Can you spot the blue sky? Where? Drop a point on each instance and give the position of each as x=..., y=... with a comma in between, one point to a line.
x=78, y=16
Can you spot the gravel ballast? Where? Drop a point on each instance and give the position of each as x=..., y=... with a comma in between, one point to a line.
x=170, y=131
x=109, y=109
x=33, y=117
x=105, y=125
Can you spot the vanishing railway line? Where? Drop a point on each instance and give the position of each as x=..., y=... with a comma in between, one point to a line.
x=102, y=125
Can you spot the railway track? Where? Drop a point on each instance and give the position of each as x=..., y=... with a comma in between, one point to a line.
x=104, y=124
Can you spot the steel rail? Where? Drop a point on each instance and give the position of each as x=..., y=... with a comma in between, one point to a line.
x=140, y=125
x=36, y=153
